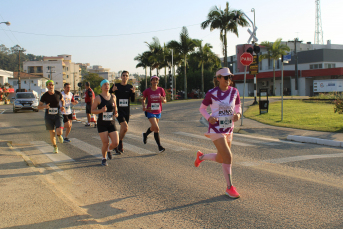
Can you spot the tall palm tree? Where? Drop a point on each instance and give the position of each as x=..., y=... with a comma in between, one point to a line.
x=156, y=51
x=144, y=63
x=184, y=47
x=274, y=52
x=204, y=55
x=226, y=21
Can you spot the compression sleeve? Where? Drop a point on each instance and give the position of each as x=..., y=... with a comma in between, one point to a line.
x=203, y=111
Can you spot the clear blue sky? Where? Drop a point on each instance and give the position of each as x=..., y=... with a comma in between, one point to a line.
x=122, y=27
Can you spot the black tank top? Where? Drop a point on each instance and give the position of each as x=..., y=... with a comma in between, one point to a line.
x=110, y=108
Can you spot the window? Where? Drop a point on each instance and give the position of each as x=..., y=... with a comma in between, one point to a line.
x=316, y=66
x=35, y=84
x=31, y=69
x=24, y=81
x=67, y=76
x=67, y=69
x=39, y=70
x=330, y=65
x=15, y=83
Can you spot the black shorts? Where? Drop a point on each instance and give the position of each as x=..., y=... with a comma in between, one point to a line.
x=109, y=128
x=52, y=121
x=68, y=117
x=88, y=108
x=123, y=118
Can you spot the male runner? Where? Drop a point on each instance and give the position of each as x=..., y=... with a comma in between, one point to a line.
x=89, y=97
x=67, y=115
x=124, y=93
x=53, y=116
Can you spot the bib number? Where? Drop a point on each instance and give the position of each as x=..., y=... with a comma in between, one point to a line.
x=107, y=116
x=53, y=111
x=123, y=102
x=155, y=106
x=225, y=122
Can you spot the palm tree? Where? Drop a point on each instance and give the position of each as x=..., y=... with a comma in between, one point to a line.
x=204, y=55
x=144, y=63
x=226, y=21
x=274, y=51
x=156, y=51
x=184, y=47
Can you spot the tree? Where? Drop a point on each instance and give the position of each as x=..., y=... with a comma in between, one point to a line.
x=184, y=47
x=94, y=80
x=226, y=21
x=144, y=63
x=156, y=56
x=274, y=52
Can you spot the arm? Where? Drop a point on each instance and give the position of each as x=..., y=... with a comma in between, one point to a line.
x=163, y=96
x=73, y=101
x=133, y=94
x=41, y=106
x=115, y=110
x=238, y=109
x=94, y=109
x=63, y=104
x=143, y=103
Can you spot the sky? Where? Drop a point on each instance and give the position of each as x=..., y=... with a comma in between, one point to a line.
x=111, y=33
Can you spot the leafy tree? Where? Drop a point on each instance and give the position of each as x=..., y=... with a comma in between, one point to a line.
x=184, y=47
x=94, y=80
x=156, y=56
x=226, y=21
x=144, y=63
x=274, y=51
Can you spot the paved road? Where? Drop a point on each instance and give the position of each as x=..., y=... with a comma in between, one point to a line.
x=282, y=184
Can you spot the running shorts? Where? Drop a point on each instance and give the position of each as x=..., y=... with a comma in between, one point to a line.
x=150, y=115
x=123, y=118
x=109, y=128
x=88, y=108
x=52, y=121
x=216, y=136
x=68, y=117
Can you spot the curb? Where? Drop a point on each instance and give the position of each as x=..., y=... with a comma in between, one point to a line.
x=313, y=140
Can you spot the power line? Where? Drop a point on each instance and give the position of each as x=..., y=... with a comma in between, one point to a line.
x=113, y=35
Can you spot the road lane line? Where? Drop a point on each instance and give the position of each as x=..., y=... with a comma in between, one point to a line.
x=267, y=139
x=48, y=150
x=88, y=148
x=206, y=138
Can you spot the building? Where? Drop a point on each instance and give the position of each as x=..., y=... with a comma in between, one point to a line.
x=103, y=72
x=315, y=62
x=4, y=76
x=58, y=68
x=29, y=82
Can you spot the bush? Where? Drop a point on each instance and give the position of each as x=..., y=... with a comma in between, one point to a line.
x=330, y=95
x=338, y=106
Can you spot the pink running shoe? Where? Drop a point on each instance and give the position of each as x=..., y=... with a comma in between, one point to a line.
x=197, y=160
x=232, y=192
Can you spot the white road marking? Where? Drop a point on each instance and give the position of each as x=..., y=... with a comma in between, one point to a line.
x=206, y=138
x=267, y=139
x=48, y=150
x=165, y=145
x=88, y=148
x=2, y=112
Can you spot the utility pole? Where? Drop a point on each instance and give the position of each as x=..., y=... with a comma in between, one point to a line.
x=19, y=81
x=296, y=65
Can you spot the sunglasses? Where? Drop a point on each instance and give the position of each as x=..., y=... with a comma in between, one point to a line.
x=226, y=77
x=50, y=84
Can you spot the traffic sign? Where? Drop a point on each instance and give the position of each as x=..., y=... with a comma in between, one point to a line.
x=253, y=68
x=252, y=35
x=246, y=59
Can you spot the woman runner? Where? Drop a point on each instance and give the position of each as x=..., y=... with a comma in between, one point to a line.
x=105, y=105
x=226, y=109
x=155, y=95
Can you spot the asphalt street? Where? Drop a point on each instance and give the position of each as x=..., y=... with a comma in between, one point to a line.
x=282, y=184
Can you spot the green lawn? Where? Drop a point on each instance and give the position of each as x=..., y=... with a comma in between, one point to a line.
x=309, y=115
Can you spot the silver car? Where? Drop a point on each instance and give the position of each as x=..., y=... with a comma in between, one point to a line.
x=25, y=101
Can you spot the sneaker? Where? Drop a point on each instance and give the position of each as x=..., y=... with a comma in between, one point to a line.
x=95, y=125
x=109, y=155
x=60, y=138
x=87, y=124
x=144, y=138
x=197, y=160
x=104, y=162
x=66, y=140
x=117, y=151
x=55, y=149
x=231, y=192
x=161, y=149
x=120, y=147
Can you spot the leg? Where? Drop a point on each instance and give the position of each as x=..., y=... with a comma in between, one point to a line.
x=123, y=129
x=114, y=140
x=67, y=127
x=89, y=118
x=52, y=137
x=104, y=140
x=154, y=125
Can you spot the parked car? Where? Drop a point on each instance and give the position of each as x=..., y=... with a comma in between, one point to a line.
x=25, y=101
x=77, y=97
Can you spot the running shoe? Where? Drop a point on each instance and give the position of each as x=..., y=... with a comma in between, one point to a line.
x=120, y=147
x=104, y=162
x=87, y=124
x=117, y=151
x=66, y=140
x=161, y=149
x=60, y=138
x=109, y=155
x=232, y=192
x=95, y=125
x=56, y=149
x=144, y=138
x=197, y=160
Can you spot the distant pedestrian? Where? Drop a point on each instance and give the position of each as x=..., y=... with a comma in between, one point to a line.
x=53, y=103
x=89, y=98
x=226, y=109
x=67, y=115
x=155, y=96
x=125, y=93
x=105, y=105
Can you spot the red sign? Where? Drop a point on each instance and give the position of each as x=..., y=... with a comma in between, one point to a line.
x=246, y=59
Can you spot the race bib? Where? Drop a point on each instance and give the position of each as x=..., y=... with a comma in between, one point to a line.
x=225, y=122
x=123, y=102
x=107, y=116
x=53, y=111
x=155, y=106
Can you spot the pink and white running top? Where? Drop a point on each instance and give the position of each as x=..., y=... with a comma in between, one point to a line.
x=68, y=98
x=154, y=105
x=224, y=104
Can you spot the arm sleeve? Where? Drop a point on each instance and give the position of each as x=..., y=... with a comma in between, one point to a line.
x=72, y=99
x=203, y=111
x=42, y=99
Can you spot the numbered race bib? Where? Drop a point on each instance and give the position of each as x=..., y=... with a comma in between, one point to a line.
x=123, y=102
x=225, y=122
x=53, y=111
x=107, y=116
x=155, y=106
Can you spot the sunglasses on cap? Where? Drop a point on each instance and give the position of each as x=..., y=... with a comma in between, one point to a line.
x=225, y=77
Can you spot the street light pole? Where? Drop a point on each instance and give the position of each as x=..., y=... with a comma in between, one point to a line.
x=255, y=77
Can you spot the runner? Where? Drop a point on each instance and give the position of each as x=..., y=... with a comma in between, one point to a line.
x=124, y=93
x=89, y=97
x=226, y=109
x=105, y=105
x=50, y=101
x=155, y=96
x=67, y=115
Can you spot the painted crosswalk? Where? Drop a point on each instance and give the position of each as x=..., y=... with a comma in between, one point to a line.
x=48, y=151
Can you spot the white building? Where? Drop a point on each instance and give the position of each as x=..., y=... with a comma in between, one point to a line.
x=29, y=82
x=60, y=69
x=4, y=76
x=103, y=72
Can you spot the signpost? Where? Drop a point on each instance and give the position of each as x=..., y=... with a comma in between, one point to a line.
x=284, y=59
x=246, y=59
x=253, y=68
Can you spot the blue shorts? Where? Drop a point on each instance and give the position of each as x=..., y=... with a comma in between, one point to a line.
x=150, y=115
